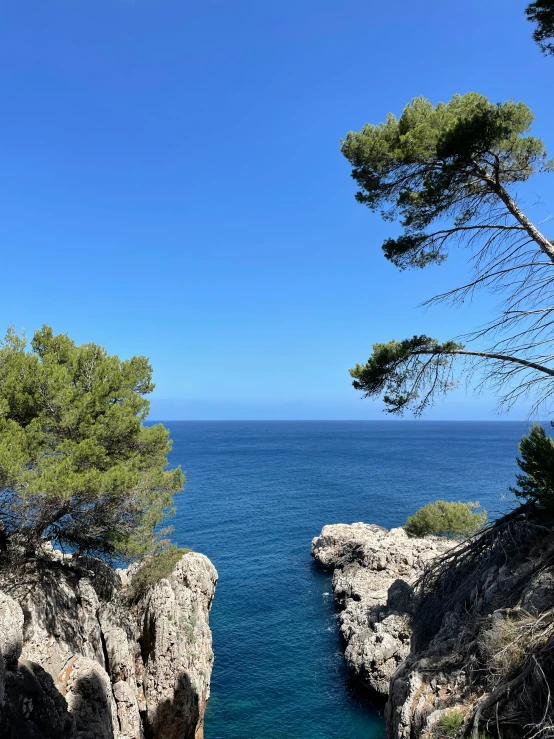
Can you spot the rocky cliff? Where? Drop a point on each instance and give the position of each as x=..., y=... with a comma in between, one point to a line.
x=482, y=652
x=470, y=650
x=78, y=662
x=373, y=573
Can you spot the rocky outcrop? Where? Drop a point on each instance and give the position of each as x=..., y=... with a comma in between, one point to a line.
x=483, y=638
x=77, y=662
x=470, y=652
x=373, y=572
x=11, y=633
x=173, y=622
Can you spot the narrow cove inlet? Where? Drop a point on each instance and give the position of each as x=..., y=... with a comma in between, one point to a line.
x=215, y=212
x=256, y=494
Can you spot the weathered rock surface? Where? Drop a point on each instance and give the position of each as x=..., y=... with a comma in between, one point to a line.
x=176, y=649
x=373, y=571
x=11, y=629
x=76, y=662
x=475, y=629
x=474, y=648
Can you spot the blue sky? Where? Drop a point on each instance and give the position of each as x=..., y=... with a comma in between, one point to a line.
x=173, y=186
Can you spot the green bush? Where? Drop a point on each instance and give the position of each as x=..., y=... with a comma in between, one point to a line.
x=441, y=518
x=156, y=568
x=450, y=723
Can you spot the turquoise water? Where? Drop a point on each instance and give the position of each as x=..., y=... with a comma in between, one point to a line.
x=257, y=493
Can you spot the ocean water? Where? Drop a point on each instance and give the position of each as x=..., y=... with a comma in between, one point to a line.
x=257, y=492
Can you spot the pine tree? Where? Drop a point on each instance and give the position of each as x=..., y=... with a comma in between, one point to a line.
x=77, y=463
x=537, y=464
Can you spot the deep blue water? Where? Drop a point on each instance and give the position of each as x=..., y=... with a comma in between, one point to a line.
x=257, y=492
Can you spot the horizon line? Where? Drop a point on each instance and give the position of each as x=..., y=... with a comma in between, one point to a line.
x=345, y=420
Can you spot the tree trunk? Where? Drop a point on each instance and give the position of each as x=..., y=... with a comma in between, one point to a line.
x=544, y=244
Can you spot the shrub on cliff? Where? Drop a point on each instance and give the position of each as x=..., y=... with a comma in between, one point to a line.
x=77, y=464
x=441, y=518
x=156, y=568
x=537, y=464
x=503, y=645
x=450, y=724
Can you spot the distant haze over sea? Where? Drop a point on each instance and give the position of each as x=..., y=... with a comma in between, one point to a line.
x=457, y=407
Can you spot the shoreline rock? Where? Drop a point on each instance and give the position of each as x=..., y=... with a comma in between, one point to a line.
x=373, y=573
x=77, y=662
x=473, y=649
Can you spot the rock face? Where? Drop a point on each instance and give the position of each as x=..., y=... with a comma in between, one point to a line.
x=468, y=654
x=373, y=573
x=78, y=663
x=483, y=635
x=173, y=622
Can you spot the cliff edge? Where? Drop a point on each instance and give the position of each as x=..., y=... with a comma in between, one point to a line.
x=373, y=573
x=457, y=638
x=78, y=662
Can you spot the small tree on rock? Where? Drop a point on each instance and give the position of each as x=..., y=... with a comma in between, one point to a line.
x=537, y=465
x=77, y=464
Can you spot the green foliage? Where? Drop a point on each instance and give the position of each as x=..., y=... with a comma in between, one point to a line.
x=446, y=172
x=541, y=12
x=443, y=161
x=157, y=567
x=442, y=518
x=450, y=723
x=409, y=373
x=76, y=462
x=537, y=464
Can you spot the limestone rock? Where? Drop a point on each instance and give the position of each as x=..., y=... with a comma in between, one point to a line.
x=118, y=633
x=123, y=576
x=88, y=692
x=2, y=680
x=373, y=572
x=11, y=629
x=80, y=663
x=61, y=617
x=127, y=710
x=33, y=708
x=467, y=637
x=176, y=647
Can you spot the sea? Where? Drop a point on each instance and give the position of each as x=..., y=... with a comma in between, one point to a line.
x=256, y=494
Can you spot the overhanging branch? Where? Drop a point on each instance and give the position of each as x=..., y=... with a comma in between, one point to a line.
x=491, y=355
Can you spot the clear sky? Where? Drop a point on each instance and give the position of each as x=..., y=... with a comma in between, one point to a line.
x=172, y=185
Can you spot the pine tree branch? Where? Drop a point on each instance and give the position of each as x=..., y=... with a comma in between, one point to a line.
x=489, y=355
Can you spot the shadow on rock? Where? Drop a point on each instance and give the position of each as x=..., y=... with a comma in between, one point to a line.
x=179, y=718
x=33, y=708
x=89, y=696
